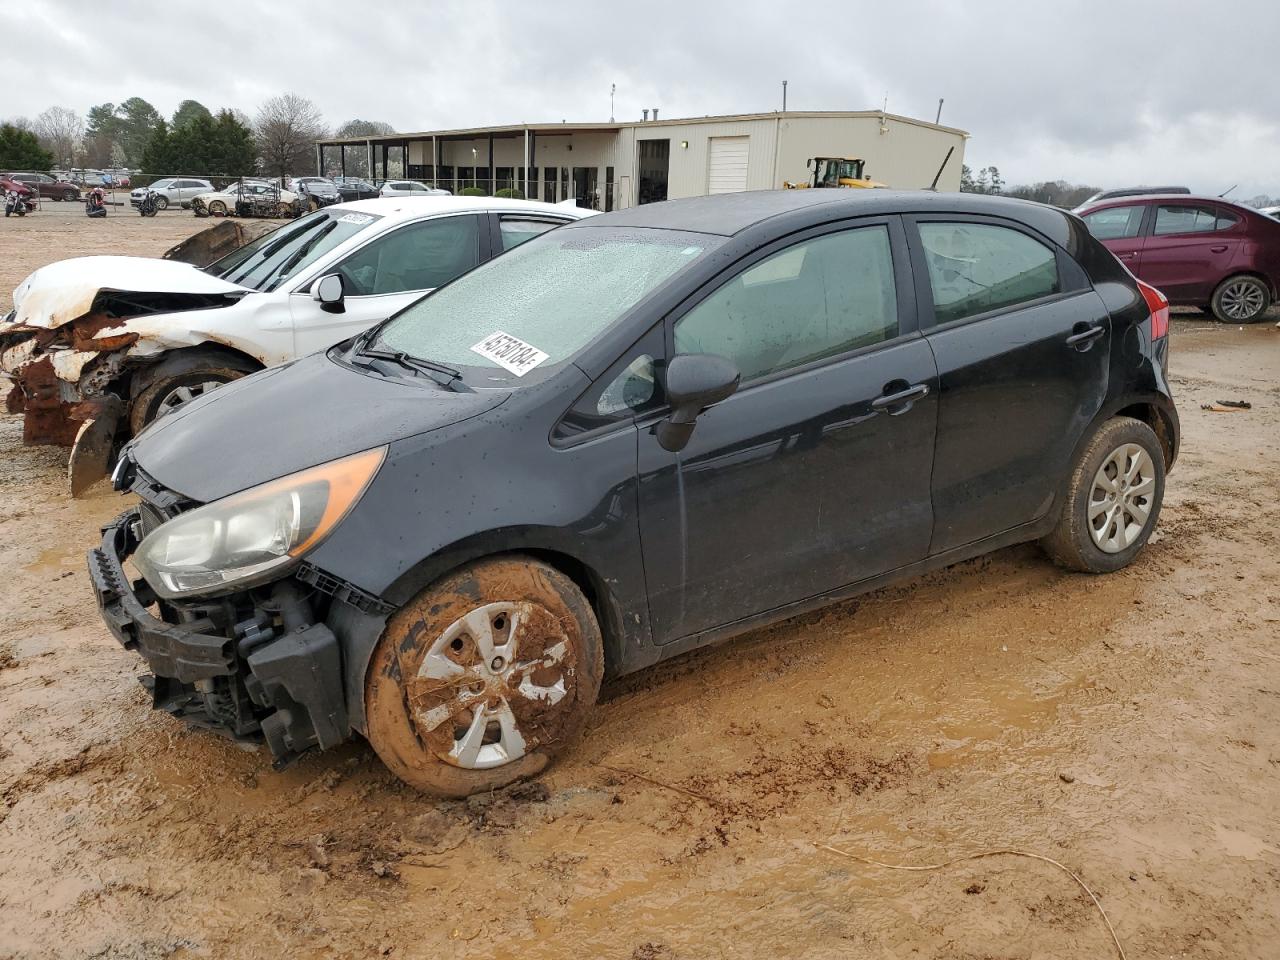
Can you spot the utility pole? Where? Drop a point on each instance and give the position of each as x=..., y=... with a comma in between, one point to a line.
x=938, y=118
x=784, y=96
x=612, y=88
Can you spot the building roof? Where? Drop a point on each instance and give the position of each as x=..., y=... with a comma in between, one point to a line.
x=519, y=129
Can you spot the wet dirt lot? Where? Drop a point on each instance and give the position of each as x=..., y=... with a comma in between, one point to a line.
x=1127, y=726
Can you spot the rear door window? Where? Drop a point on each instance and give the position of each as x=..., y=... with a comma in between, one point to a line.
x=1115, y=223
x=1185, y=218
x=978, y=267
x=817, y=299
x=516, y=230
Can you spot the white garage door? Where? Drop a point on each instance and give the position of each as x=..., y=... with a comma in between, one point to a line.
x=727, y=166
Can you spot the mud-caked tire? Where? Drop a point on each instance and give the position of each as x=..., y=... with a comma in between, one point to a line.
x=183, y=376
x=484, y=677
x=1112, y=499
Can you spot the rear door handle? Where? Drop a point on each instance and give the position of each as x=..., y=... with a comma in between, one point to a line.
x=1084, y=338
x=903, y=398
x=1127, y=256
x=1222, y=248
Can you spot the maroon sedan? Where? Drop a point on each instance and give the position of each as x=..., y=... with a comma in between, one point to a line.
x=1199, y=251
x=47, y=186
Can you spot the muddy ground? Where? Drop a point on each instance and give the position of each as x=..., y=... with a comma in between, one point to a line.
x=1127, y=726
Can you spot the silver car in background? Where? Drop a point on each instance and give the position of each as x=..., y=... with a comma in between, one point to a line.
x=410, y=188
x=178, y=190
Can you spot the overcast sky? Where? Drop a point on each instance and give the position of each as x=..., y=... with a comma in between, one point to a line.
x=1110, y=93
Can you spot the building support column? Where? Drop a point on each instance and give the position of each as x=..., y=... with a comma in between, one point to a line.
x=534, y=174
x=524, y=177
x=492, y=191
x=368, y=147
x=435, y=162
x=342, y=159
x=319, y=160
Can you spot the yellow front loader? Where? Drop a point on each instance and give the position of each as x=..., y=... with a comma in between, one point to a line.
x=836, y=172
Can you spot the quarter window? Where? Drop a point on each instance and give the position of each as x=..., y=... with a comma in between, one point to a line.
x=1184, y=218
x=978, y=267
x=421, y=256
x=814, y=300
x=1115, y=223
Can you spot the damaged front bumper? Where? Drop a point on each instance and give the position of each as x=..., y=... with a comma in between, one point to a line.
x=256, y=666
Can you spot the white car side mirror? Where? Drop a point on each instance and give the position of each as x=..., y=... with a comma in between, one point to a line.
x=329, y=294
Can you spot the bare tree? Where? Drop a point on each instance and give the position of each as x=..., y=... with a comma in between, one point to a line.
x=286, y=129
x=60, y=131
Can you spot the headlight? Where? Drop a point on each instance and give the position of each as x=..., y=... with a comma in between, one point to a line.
x=256, y=532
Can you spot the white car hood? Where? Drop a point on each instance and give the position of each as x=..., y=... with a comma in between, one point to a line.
x=63, y=291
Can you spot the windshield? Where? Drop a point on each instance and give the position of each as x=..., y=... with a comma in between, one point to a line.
x=542, y=302
x=267, y=262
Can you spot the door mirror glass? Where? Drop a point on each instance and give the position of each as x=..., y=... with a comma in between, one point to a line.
x=328, y=293
x=695, y=381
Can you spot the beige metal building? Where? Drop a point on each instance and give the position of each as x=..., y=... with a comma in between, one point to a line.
x=615, y=165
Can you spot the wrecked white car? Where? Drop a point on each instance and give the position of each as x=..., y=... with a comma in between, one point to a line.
x=98, y=347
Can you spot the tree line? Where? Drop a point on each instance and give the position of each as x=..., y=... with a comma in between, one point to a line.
x=1057, y=193
x=278, y=140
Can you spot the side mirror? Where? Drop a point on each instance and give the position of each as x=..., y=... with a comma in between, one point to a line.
x=328, y=293
x=694, y=382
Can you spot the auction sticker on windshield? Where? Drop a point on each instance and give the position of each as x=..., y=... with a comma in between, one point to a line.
x=510, y=353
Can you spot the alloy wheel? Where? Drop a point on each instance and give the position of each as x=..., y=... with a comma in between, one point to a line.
x=1121, y=498
x=180, y=395
x=1242, y=300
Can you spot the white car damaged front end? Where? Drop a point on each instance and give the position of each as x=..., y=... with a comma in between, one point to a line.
x=84, y=333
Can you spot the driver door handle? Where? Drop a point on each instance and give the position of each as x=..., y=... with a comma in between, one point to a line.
x=889, y=400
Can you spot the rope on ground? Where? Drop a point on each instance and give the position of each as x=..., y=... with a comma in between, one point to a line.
x=978, y=856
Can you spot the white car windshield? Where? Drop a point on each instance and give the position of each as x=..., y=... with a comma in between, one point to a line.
x=539, y=304
x=267, y=262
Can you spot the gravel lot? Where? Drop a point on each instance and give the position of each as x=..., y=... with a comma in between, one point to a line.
x=1127, y=726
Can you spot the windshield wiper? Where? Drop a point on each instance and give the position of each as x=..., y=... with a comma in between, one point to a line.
x=445, y=376
x=283, y=273
x=263, y=255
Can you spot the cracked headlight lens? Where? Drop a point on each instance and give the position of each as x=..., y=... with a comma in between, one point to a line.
x=259, y=531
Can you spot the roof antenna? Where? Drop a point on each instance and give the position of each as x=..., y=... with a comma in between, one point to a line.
x=1228, y=190
x=613, y=88
x=938, y=176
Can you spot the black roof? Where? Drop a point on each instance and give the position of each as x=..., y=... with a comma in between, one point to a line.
x=727, y=214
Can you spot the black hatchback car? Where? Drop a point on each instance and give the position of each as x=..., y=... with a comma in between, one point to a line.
x=631, y=436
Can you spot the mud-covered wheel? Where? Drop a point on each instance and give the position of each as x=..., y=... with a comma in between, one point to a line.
x=484, y=677
x=217, y=208
x=1113, y=499
x=182, y=377
x=162, y=202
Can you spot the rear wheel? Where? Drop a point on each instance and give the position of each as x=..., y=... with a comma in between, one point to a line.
x=1113, y=499
x=183, y=377
x=1240, y=299
x=484, y=677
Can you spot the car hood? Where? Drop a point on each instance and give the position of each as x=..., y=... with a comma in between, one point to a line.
x=66, y=290
x=288, y=418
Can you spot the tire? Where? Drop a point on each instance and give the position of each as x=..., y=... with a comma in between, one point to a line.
x=541, y=636
x=1099, y=544
x=1240, y=299
x=285, y=211
x=162, y=203
x=217, y=209
x=71, y=196
x=181, y=377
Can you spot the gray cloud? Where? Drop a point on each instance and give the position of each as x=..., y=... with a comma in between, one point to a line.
x=1108, y=93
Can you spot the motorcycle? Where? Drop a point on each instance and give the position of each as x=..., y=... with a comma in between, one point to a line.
x=147, y=206
x=16, y=203
x=95, y=203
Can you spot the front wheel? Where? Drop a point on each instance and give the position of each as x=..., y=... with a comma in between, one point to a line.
x=484, y=677
x=162, y=203
x=1113, y=499
x=182, y=377
x=1241, y=299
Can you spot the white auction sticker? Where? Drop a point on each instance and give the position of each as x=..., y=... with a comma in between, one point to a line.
x=355, y=218
x=510, y=352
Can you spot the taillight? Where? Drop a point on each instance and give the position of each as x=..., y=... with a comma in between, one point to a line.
x=1158, y=304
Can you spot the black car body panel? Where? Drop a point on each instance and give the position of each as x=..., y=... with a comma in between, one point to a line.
x=942, y=442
